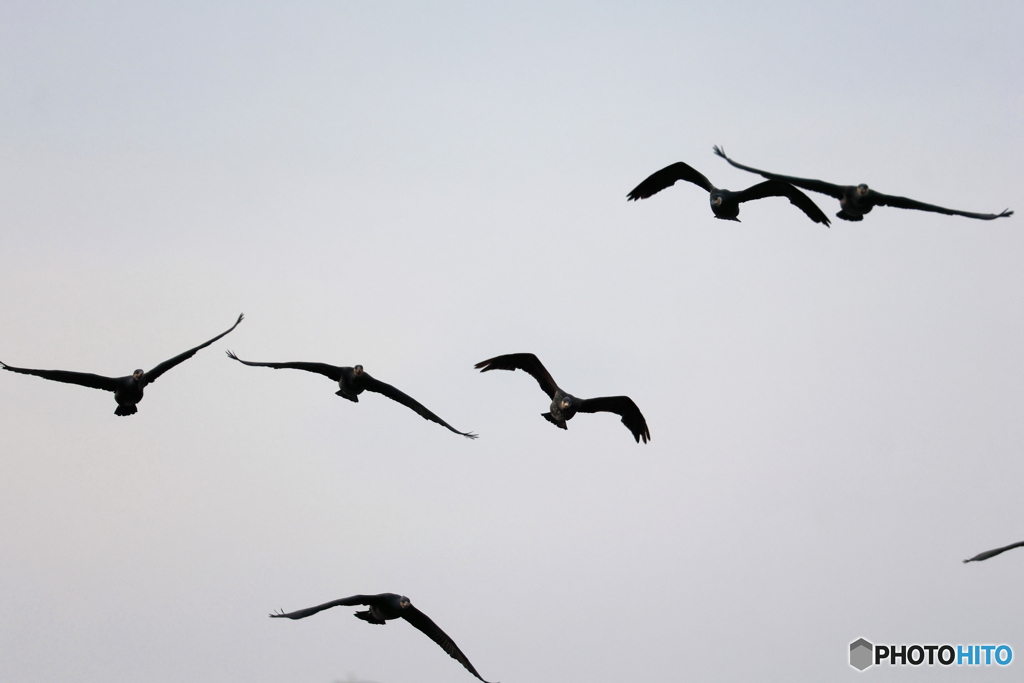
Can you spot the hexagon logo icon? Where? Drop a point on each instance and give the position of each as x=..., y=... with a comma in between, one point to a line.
x=861, y=652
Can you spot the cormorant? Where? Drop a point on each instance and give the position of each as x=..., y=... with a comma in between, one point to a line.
x=565, y=405
x=992, y=553
x=857, y=200
x=724, y=203
x=127, y=390
x=354, y=381
x=388, y=606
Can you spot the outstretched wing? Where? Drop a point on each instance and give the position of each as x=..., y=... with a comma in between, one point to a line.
x=153, y=374
x=905, y=203
x=667, y=177
x=434, y=632
x=375, y=385
x=622, y=406
x=992, y=553
x=84, y=379
x=806, y=183
x=349, y=601
x=777, y=188
x=331, y=371
x=522, y=361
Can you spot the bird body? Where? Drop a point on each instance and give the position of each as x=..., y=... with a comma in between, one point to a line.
x=563, y=407
x=386, y=607
x=563, y=404
x=725, y=204
x=856, y=201
x=353, y=381
x=128, y=390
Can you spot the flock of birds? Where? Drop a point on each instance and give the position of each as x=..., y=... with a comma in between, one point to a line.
x=855, y=201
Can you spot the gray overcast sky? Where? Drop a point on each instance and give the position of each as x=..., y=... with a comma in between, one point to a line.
x=836, y=414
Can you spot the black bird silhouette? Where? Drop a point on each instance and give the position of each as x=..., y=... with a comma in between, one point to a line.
x=857, y=200
x=127, y=390
x=565, y=405
x=385, y=607
x=992, y=553
x=354, y=381
x=724, y=203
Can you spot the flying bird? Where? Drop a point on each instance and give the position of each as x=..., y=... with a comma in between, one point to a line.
x=385, y=607
x=857, y=200
x=992, y=553
x=127, y=390
x=354, y=381
x=724, y=203
x=565, y=405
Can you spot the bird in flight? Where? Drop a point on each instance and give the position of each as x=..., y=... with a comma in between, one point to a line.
x=563, y=404
x=724, y=203
x=387, y=606
x=992, y=553
x=127, y=390
x=354, y=381
x=858, y=200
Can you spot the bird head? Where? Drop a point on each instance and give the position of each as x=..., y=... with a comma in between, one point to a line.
x=862, y=190
x=137, y=375
x=404, y=602
x=565, y=402
x=716, y=201
x=357, y=370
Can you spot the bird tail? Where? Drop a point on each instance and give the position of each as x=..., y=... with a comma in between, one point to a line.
x=367, y=616
x=352, y=397
x=849, y=216
x=123, y=410
x=558, y=423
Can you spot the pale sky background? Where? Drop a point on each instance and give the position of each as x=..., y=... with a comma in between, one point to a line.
x=835, y=414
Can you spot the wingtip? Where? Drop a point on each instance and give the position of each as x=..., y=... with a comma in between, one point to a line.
x=241, y=317
x=470, y=435
x=231, y=354
x=720, y=151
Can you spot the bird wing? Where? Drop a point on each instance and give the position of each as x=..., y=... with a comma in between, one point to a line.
x=806, y=183
x=85, y=379
x=667, y=177
x=153, y=374
x=434, y=632
x=623, y=406
x=992, y=553
x=375, y=385
x=905, y=203
x=777, y=188
x=331, y=371
x=522, y=361
x=309, y=611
